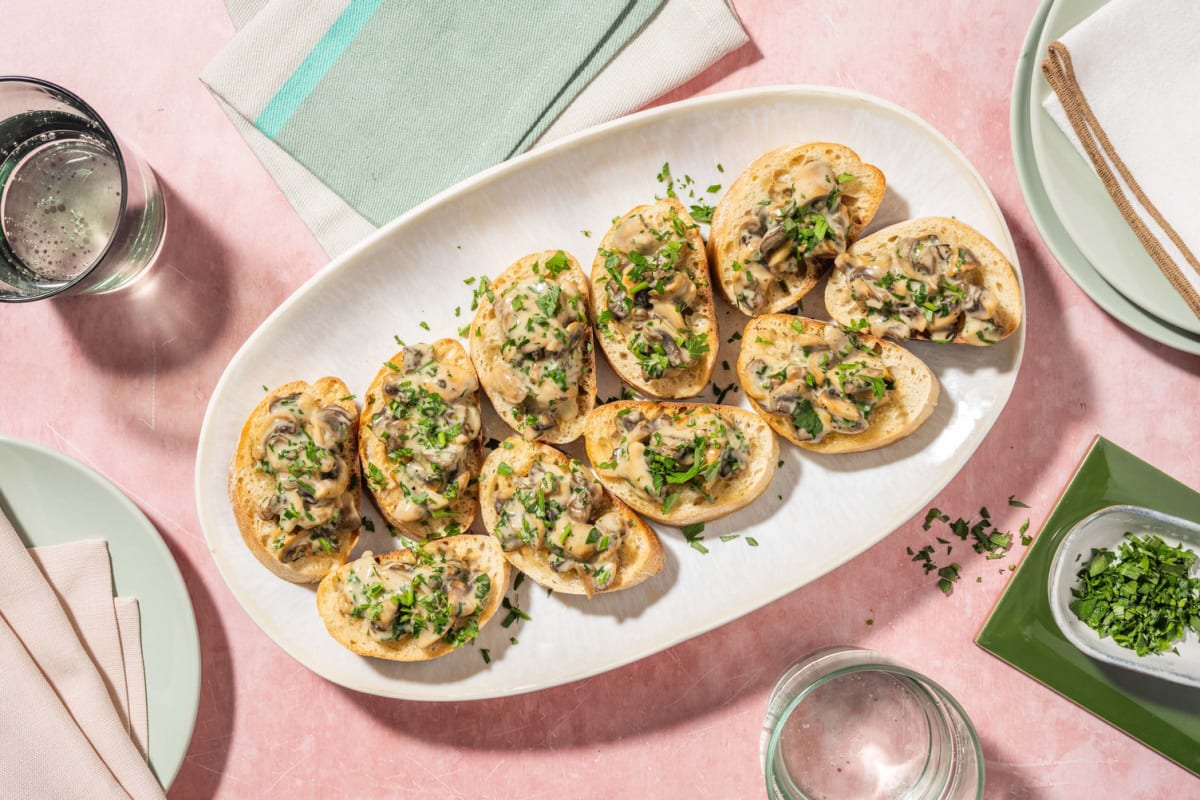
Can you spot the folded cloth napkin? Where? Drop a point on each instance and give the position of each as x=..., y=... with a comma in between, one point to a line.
x=62, y=735
x=1124, y=85
x=79, y=573
x=361, y=109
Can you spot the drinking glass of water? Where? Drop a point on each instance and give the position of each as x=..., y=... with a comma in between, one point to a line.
x=79, y=210
x=847, y=724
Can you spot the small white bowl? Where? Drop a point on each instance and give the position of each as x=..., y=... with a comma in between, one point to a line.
x=1106, y=528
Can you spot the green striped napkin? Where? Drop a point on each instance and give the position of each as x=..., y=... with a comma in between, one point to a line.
x=387, y=103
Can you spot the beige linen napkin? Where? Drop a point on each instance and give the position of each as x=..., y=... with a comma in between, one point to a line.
x=129, y=625
x=79, y=573
x=61, y=734
x=1124, y=85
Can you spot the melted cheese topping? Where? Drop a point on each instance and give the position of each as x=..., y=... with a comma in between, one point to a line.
x=315, y=486
x=793, y=231
x=425, y=429
x=555, y=509
x=925, y=288
x=652, y=294
x=420, y=598
x=544, y=324
x=823, y=383
x=666, y=456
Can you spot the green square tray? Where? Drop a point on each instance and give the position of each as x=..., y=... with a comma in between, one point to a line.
x=1020, y=630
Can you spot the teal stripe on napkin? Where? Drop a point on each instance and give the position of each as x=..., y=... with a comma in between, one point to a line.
x=401, y=99
x=314, y=67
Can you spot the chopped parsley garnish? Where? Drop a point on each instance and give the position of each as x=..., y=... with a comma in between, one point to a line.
x=1143, y=596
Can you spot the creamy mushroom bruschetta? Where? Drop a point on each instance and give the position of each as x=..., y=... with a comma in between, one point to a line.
x=784, y=220
x=531, y=342
x=830, y=390
x=931, y=278
x=420, y=439
x=558, y=525
x=681, y=462
x=294, y=481
x=415, y=604
x=652, y=301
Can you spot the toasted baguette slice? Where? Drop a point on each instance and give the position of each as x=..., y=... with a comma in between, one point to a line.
x=297, y=557
x=638, y=556
x=488, y=351
x=338, y=595
x=645, y=229
x=384, y=476
x=681, y=504
x=996, y=272
x=908, y=404
x=763, y=180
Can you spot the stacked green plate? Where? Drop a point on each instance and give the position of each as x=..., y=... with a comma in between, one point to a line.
x=1035, y=138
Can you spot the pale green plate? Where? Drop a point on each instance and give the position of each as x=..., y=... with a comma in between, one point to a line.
x=1025, y=103
x=1084, y=206
x=53, y=499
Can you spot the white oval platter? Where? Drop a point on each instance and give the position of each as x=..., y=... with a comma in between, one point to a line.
x=818, y=513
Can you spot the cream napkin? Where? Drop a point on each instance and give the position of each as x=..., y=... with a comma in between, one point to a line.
x=1125, y=92
x=62, y=735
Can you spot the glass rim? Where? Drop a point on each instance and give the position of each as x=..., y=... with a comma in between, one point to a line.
x=934, y=690
x=86, y=108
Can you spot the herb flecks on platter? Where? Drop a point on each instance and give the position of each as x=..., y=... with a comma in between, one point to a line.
x=1143, y=596
x=700, y=210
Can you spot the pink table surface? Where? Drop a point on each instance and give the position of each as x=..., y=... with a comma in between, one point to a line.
x=121, y=384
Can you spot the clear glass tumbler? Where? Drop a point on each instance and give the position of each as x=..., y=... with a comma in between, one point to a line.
x=79, y=210
x=848, y=723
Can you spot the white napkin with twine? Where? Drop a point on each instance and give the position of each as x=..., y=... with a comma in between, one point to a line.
x=1125, y=93
x=67, y=701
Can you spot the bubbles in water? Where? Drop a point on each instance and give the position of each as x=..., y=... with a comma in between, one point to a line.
x=58, y=210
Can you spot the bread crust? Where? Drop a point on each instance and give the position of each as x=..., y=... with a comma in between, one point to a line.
x=486, y=339
x=913, y=399
x=603, y=435
x=248, y=487
x=613, y=336
x=997, y=273
x=476, y=551
x=862, y=197
x=372, y=450
x=640, y=555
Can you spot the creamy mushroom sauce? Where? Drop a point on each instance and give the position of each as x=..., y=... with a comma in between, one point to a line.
x=793, y=231
x=663, y=455
x=556, y=510
x=544, y=323
x=823, y=383
x=422, y=597
x=428, y=424
x=925, y=287
x=315, y=486
x=650, y=291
